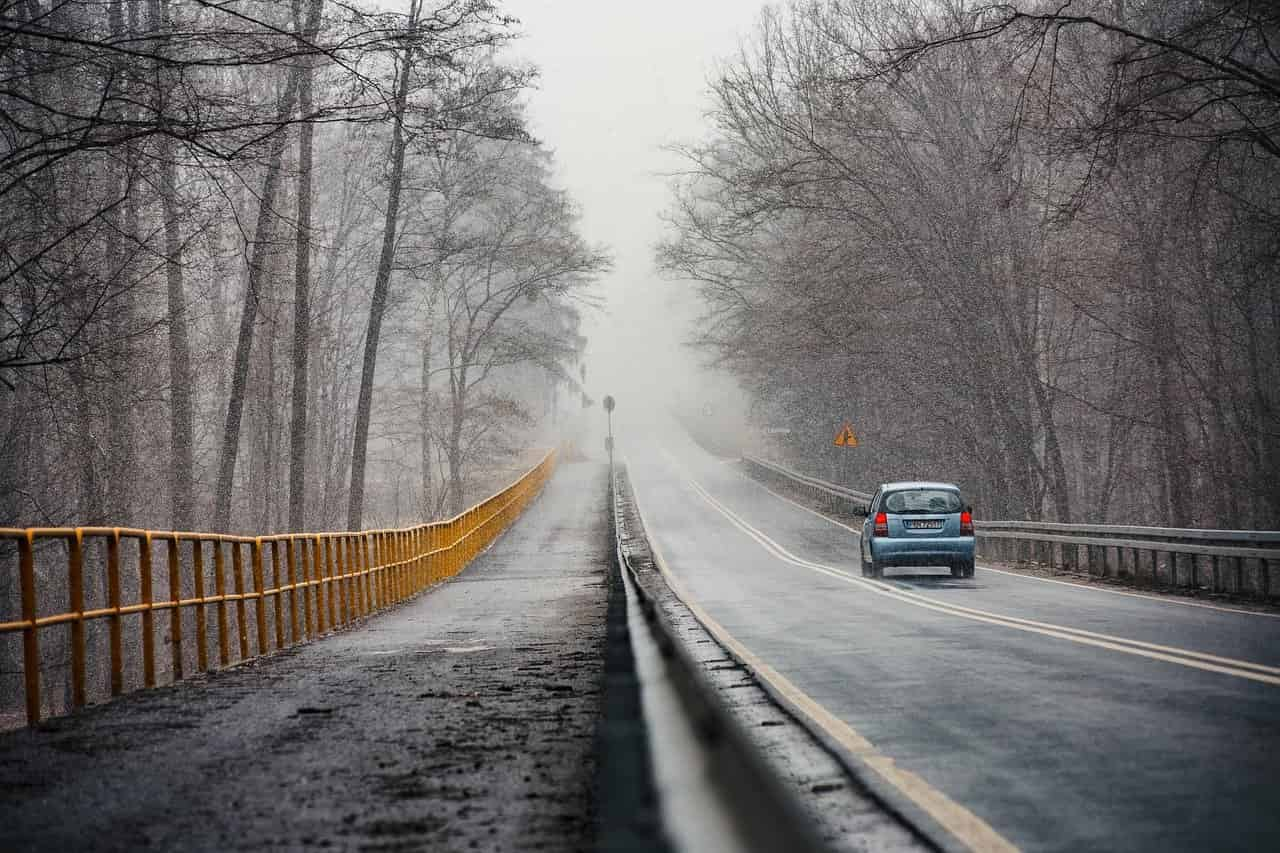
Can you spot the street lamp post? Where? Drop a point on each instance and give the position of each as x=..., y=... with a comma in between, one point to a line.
x=608, y=442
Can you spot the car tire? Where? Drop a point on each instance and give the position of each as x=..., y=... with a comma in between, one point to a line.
x=962, y=569
x=871, y=569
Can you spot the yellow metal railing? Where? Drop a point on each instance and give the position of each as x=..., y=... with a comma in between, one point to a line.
x=318, y=582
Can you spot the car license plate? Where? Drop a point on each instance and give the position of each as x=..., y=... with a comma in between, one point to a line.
x=928, y=524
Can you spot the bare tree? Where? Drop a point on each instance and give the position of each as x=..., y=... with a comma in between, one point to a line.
x=147, y=194
x=1010, y=239
x=302, y=283
x=396, y=155
x=422, y=69
x=248, y=313
x=521, y=251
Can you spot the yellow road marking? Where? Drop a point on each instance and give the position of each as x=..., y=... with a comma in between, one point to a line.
x=968, y=828
x=1185, y=657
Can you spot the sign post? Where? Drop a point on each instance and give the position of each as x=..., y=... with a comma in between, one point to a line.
x=608, y=442
x=846, y=438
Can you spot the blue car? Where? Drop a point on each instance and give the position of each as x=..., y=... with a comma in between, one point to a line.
x=917, y=524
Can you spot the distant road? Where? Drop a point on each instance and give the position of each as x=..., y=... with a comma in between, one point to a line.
x=1035, y=714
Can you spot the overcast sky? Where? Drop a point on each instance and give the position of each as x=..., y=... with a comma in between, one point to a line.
x=620, y=79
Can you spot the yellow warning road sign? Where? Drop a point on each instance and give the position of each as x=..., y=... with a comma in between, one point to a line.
x=845, y=437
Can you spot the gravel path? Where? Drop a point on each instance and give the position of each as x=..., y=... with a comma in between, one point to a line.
x=462, y=720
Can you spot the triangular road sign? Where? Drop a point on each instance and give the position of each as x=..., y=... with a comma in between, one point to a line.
x=845, y=437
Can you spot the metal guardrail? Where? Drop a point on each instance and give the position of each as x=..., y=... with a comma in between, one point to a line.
x=1183, y=556
x=836, y=498
x=719, y=790
x=1237, y=561
x=1253, y=537
x=318, y=582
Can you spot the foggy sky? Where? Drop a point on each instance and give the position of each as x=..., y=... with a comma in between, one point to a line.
x=619, y=81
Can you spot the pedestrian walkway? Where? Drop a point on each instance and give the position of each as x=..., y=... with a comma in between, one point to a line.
x=462, y=720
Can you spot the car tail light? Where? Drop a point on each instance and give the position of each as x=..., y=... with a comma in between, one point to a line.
x=882, y=525
x=966, y=524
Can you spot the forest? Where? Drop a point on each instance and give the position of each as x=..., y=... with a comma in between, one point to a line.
x=1028, y=247
x=270, y=266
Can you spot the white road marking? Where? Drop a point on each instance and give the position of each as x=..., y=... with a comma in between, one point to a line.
x=1019, y=575
x=1184, y=657
x=967, y=827
x=810, y=510
x=964, y=825
x=1144, y=596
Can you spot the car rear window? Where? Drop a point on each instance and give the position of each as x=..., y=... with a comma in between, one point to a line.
x=922, y=501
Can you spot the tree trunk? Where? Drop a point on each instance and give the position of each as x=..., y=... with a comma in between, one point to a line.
x=244, y=341
x=457, y=495
x=1173, y=447
x=1056, y=473
x=122, y=380
x=89, y=497
x=302, y=290
x=266, y=484
x=181, y=417
x=382, y=283
x=424, y=416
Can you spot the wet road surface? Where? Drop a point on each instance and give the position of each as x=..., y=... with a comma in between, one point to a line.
x=1064, y=718
x=462, y=720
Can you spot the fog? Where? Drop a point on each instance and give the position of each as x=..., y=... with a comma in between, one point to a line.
x=276, y=267
x=619, y=83
x=382, y=252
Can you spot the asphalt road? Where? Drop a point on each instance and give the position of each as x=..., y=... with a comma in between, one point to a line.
x=1061, y=717
x=462, y=720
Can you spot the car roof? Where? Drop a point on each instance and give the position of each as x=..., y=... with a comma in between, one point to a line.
x=918, y=484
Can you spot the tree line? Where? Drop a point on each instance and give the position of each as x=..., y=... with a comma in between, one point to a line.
x=274, y=266
x=1030, y=247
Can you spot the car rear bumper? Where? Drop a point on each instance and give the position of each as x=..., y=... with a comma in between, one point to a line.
x=920, y=551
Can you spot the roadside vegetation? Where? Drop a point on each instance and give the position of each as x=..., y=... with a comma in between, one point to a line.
x=1028, y=247
x=273, y=266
